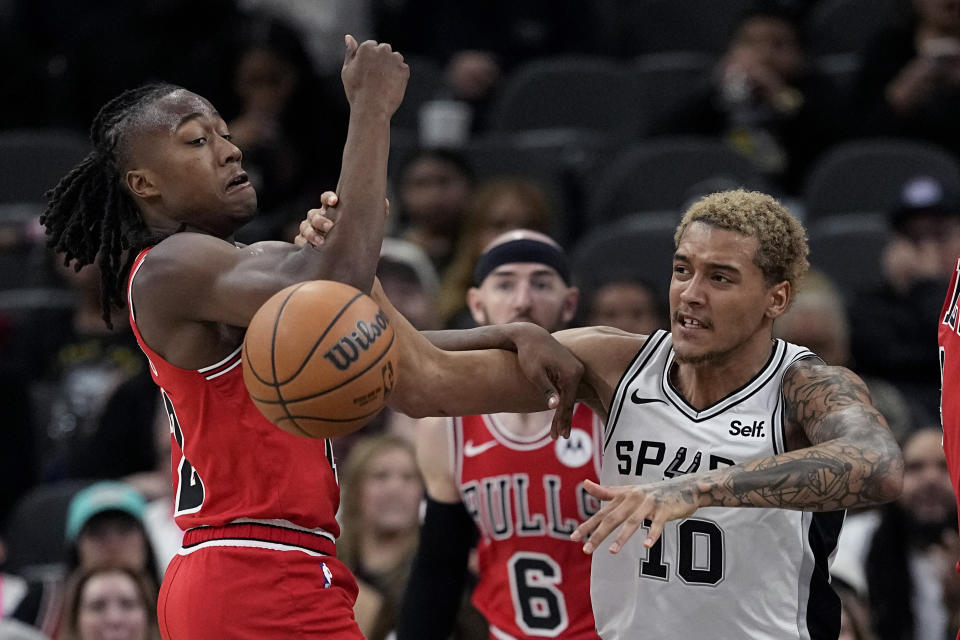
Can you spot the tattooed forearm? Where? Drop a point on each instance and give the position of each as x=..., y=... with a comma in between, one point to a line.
x=853, y=461
x=835, y=475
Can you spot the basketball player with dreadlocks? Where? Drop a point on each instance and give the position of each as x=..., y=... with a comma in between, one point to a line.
x=156, y=204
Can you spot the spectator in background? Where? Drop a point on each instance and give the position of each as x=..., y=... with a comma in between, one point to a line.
x=322, y=24
x=909, y=82
x=763, y=100
x=285, y=113
x=892, y=338
x=380, y=517
x=75, y=365
x=104, y=529
x=854, y=613
x=904, y=549
x=410, y=281
x=625, y=302
x=497, y=205
x=433, y=190
x=110, y=603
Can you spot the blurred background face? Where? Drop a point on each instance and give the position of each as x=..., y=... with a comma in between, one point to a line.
x=943, y=14
x=927, y=492
x=937, y=234
x=771, y=42
x=111, y=608
x=434, y=193
x=112, y=539
x=265, y=81
x=391, y=493
x=506, y=212
x=627, y=306
x=523, y=292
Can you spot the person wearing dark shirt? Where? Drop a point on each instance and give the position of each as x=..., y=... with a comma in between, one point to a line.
x=763, y=100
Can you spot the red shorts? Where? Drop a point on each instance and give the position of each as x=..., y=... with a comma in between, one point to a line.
x=241, y=582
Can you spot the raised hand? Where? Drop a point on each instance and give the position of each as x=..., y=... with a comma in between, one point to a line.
x=318, y=223
x=374, y=76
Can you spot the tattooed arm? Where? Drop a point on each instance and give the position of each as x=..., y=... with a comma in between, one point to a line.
x=851, y=460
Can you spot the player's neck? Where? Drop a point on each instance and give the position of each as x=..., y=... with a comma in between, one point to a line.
x=706, y=383
x=526, y=425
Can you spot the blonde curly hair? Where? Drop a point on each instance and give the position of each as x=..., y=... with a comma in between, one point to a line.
x=782, y=242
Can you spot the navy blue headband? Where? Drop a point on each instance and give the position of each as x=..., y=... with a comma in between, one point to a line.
x=523, y=250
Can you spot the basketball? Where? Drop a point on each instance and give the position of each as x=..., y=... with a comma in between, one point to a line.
x=319, y=359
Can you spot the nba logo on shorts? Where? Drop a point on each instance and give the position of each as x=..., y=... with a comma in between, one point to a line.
x=327, y=575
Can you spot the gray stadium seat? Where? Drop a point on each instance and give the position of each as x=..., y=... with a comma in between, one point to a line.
x=425, y=84
x=868, y=175
x=664, y=80
x=31, y=162
x=848, y=249
x=36, y=530
x=665, y=174
x=568, y=92
x=649, y=26
x=848, y=26
x=640, y=244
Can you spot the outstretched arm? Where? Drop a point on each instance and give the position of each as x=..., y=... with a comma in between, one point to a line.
x=852, y=461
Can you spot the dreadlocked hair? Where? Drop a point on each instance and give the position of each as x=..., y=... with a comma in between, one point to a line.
x=90, y=216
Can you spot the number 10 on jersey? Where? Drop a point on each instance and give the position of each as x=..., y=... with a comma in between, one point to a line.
x=700, y=553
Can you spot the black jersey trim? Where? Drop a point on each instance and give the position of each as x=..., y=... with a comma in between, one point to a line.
x=823, y=604
x=732, y=399
x=646, y=351
x=781, y=430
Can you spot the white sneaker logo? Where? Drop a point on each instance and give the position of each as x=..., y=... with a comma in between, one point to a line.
x=470, y=450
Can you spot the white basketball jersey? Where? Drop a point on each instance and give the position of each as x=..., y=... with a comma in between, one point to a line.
x=725, y=573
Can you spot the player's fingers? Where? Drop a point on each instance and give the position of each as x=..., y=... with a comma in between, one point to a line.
x=653, y=534
x=329, y=199
x=386, y=208
x=616, y=513
x=582, y=532
x=564, y=414
x=601, y=492
x=633, y=522
x=350, y=48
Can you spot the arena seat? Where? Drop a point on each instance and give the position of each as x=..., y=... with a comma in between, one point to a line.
x=665, y=174
x=848, y=249
x=579, y=93
x=868, y=175
x=640, y=244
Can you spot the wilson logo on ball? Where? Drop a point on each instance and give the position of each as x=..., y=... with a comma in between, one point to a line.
x=347, y=350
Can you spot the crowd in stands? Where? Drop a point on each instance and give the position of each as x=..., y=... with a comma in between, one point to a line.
x=682, y=98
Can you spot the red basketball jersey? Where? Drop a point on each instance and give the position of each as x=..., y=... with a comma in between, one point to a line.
x=948, y=335
x=526, y=497
x=231, y=465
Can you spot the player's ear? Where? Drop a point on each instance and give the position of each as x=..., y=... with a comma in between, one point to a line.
x=140, y=184
x=475, y=304
x=570, y=301
x=778, y=299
